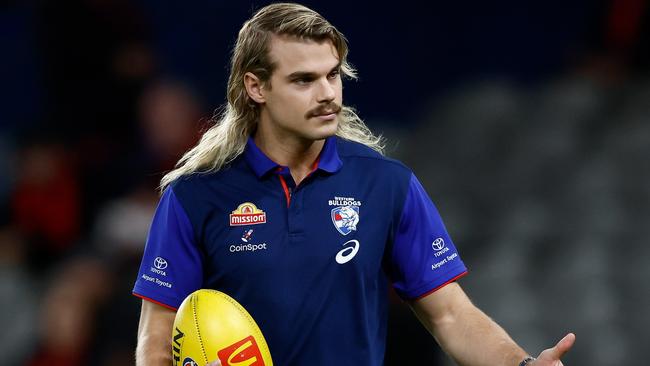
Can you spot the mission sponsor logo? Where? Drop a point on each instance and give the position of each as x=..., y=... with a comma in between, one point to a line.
x=247, y=214
x=244, y=352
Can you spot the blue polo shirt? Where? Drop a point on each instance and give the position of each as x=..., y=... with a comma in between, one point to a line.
x=311, y=263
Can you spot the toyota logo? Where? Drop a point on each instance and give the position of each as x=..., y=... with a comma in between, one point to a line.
x=160, y=263
x=438, y=244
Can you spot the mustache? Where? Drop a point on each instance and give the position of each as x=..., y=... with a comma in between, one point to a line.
x=331, y=107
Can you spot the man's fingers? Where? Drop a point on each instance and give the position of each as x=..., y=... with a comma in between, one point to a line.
x=214, y=363
x=563, y=346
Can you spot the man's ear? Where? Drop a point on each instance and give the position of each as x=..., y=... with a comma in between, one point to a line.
x=254, y=88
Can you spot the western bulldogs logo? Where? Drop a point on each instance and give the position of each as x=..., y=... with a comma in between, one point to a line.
x=345, y=219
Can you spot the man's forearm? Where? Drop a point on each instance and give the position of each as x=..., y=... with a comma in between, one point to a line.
x=154, y=336
x=153, y=351
x=473, y=339
x=467, y=335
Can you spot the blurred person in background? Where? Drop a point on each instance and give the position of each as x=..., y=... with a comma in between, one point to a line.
x=45, y=202
x=169, y=113
x=67, y=319
x=295, y=73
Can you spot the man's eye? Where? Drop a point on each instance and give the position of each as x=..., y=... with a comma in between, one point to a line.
x=302, y=81
x=333, y=74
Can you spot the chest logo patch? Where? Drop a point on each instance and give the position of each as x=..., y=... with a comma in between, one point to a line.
x=345, y=216
x=345, y=219
x=247, y=214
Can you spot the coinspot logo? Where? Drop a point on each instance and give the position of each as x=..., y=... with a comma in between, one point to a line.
x=438, y=244
x=160, y=263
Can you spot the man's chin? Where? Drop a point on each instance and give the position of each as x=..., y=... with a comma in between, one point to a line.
x=319, y=131
x=326, y=131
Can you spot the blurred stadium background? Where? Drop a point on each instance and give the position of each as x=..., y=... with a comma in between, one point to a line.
x=527, y=122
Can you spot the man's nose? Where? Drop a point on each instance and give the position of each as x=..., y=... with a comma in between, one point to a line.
x=326, y=91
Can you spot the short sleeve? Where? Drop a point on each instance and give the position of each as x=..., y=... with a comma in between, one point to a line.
x=172, y=264
x=423, y=257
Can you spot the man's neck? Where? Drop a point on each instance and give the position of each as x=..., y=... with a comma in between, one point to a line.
x=297, y=154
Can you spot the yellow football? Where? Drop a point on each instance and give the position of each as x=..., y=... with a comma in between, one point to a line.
x=209, y=325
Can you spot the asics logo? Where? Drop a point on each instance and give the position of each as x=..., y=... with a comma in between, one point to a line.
x=346, y=254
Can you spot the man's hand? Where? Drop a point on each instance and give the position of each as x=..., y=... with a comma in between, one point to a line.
x=214, y=363
x=551, y=356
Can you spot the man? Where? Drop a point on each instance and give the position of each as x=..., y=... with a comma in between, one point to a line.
x=288, y=205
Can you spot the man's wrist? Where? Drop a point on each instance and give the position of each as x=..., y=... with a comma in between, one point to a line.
x=527, y=360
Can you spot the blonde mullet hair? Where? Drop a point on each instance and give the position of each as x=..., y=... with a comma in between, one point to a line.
x=226, y=139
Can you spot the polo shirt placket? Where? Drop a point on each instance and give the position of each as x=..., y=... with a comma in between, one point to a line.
x=327, y=162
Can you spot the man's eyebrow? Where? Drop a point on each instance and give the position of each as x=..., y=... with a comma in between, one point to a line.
x=309, y=74
x=302, y=75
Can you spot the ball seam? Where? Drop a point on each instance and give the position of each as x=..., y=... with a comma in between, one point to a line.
x=195, y=304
